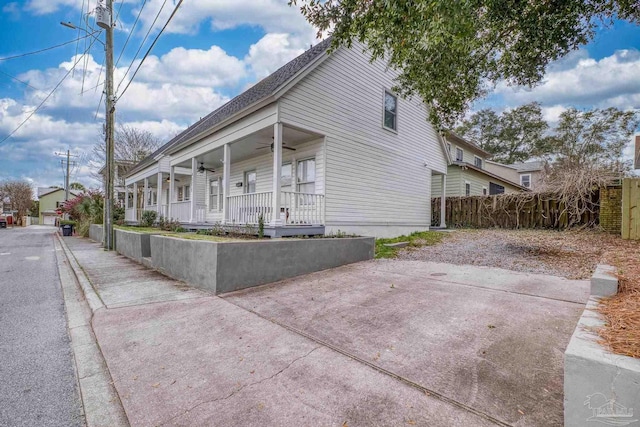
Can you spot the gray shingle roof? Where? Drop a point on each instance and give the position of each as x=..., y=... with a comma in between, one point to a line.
x=261, y=90
x=528, y=166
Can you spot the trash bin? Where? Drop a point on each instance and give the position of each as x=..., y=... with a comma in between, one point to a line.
x=67, y=230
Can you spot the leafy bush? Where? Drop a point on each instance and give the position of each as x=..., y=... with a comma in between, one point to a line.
x=148, y=218
x=118, y=214
x=169, y=224
x=85, y=209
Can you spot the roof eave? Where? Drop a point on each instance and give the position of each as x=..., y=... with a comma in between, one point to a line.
x=492, y=175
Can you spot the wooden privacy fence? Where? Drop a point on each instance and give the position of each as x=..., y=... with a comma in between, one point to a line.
x=631, y=208
x=521, y=210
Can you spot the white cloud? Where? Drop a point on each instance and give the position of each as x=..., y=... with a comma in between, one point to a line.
x=583, y=81
x=271, y=52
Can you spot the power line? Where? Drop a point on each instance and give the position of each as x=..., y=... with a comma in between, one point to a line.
x=18, y=80
x=45, y=49
x=175, y=10
x=130, y=33
x=43, y=101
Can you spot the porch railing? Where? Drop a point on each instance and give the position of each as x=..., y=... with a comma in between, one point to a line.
x=181, y=211
x=130, y=214
x=247, y=208
x=295, y=208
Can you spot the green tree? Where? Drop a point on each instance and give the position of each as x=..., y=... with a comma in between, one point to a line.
x=451, y=52
x=77, y=186
x=596, y=137
x=515, y=135
x=19, y=196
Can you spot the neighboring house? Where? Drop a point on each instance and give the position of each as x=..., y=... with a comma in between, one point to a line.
x=50, y=199
x=527, y=174
x=321, y=145
x=468, y=173
x=120, y=171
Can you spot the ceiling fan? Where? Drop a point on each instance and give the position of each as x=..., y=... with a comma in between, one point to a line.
x=202, y=169
x=271, y=147
x=169, y=179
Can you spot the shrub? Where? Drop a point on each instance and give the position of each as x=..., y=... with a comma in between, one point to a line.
x=260, y=227
x=148, y=218
x=118, y=214
x=169, y=224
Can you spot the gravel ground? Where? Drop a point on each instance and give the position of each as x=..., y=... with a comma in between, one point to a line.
x=570, y=254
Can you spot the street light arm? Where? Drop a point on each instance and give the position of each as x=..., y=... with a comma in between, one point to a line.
x=92, y=34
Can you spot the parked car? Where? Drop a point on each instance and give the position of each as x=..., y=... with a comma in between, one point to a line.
x=3, y=221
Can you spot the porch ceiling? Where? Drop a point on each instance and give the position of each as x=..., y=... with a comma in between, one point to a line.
x=256, y=144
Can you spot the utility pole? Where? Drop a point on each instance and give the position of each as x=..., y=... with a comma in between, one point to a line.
x=66, y=177
x=104, y=19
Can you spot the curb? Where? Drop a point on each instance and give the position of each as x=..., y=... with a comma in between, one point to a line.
x=101, y=403
x=593, y=376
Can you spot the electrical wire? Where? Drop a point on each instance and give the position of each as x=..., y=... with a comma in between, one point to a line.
x=44, y=100
x=175, y=10
x=46, y=49
x=18, y=80
x=130, y=33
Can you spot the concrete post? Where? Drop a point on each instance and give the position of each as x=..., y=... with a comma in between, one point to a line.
x=277, y=174
x=443, y=202
x=226, y=184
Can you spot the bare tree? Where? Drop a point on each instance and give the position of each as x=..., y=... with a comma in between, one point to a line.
x=18, y=195
x=130, y=146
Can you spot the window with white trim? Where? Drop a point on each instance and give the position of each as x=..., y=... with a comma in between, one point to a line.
x=484, y=191
x=449, y=146
x=525, y=180
x=180, y=193
x=390, y=120
x=187, y=193
x=477, y=161
x=306, y=176
x=467, y=188
x=286, y=177
x=250, y=178
x=215, y=193
x=459, y=154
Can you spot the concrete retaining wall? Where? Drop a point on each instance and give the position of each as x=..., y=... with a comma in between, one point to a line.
x=132, y=245
x=96, y=233
x=596, y=380
x=229, y=266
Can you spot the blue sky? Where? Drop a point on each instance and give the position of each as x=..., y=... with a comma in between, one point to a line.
x=209, y=53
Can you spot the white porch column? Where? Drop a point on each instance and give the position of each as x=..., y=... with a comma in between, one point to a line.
x=159, y=196
x=443, y=202
x=277, y=174
x=171, y=179
x=135, y=201
x=146, y=194
x=194, y=177
x=226, y=184
x=126, y=202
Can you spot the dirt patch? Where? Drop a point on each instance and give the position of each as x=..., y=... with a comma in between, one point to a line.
x=570, y=254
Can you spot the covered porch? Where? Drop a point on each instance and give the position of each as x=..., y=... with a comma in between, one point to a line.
x=273, y=175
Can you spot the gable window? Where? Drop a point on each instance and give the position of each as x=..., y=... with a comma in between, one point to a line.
x=390, y=111
x=307, y=176
x=477, y=161
x=250, y=178
x=525, y=180
x=459, y=154
x=467, y=188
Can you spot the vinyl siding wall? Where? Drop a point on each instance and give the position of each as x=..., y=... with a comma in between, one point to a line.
x=456, y=179
x=374, y=176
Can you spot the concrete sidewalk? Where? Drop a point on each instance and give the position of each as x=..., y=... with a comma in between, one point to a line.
x=202, y=361
x=382, y=343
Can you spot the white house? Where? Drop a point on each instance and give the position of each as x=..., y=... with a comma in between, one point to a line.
x=321, y=145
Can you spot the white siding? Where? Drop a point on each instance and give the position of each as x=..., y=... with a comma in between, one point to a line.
x=373, y=176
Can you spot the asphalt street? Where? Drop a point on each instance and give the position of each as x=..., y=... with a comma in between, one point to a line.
x=38, y=384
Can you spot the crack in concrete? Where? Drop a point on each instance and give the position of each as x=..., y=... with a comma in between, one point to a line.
x=241, y=388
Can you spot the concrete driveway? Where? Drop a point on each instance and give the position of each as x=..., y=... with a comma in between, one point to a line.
x=481, y=339
x=382, y=343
